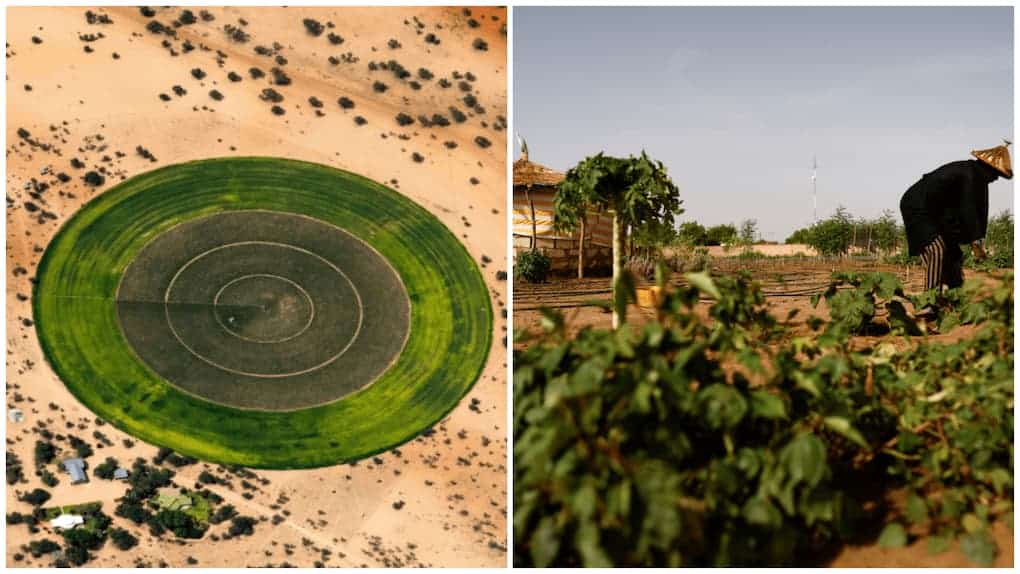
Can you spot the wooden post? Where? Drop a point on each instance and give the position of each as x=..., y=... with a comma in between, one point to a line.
x=534, y=224
x=580, y=248
x=617, y=264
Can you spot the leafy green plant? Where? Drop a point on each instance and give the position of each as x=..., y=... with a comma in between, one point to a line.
x=732, y=442
x=532, y=266
x=854, y=309
x=637, y=191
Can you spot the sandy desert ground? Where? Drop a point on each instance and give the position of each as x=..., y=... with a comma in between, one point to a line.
x=86, y=96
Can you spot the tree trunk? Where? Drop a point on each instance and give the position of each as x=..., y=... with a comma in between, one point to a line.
x=534, y=224
x=580, y=249
x=617, y=264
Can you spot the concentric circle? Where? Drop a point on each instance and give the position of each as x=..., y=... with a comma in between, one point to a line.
x=263, y=308
x=263, y=312
x=282, y=311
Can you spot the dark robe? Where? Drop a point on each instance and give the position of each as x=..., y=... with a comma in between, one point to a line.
x=951, y=201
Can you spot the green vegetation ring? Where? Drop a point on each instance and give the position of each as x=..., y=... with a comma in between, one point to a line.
x=264, y=312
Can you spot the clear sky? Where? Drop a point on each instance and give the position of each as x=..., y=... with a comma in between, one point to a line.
x=736, y=101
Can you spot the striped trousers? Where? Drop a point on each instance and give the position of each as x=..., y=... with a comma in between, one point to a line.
x=943, y=264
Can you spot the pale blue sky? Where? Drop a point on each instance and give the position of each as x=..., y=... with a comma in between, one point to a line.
x=736, y=101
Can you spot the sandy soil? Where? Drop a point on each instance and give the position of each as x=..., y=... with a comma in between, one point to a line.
x=90, y=93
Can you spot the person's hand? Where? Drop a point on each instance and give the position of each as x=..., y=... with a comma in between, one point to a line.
x=979, y=251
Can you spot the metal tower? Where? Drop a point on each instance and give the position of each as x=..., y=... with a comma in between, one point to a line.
x=814, y=190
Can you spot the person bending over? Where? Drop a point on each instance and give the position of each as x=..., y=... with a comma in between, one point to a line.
x=947, y=208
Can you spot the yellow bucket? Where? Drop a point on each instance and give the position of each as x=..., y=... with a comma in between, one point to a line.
x=648, y=296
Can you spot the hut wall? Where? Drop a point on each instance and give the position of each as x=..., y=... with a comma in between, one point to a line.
x=561, y=248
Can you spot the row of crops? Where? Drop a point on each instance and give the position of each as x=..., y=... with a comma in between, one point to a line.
x=740, y=440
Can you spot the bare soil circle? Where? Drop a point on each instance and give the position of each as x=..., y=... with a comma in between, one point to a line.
x=263, y=310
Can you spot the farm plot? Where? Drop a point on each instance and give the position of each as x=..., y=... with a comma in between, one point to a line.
x=717, y=431
x=263, y=312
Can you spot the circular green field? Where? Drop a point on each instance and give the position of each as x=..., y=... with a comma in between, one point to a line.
x=264, y=312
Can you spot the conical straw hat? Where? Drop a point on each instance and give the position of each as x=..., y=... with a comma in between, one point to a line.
x=998, y=158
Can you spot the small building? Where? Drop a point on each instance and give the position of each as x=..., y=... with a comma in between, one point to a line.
x=67, y=521
x=76, y=468
x=535, y=185
x=15, y=415
x=121, y=474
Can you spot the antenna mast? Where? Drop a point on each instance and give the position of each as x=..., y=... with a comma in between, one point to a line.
x=814, y=190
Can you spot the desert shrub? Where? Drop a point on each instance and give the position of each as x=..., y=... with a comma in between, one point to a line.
x=242, y=525
x=532, y=266
x=94, y=178
x=280, y=77
x=15, y=472
x=49, y=479
x=106, y=468
x=133, y=511
x=123, y=539
x=225, y=512
x=270, y=95
x=38, y=548
x=44, y=452
x=313, y=27
x=36, y=497
x=180, y=523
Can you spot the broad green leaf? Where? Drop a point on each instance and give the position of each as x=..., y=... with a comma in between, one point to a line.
x=842, y=426
x=893, y=536
x=588, y=376
x=806, y=383
x=939, y=543
x=761, y=512
x=804, y=459
x=767, y=406
x=971, y=523
x=589, y=546
x=545, y=542
x=703, y=282
x=722, y=406
x=948, y=322
x=917, y=510
x=979, y=548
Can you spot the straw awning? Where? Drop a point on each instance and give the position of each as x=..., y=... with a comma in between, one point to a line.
x=528, y=173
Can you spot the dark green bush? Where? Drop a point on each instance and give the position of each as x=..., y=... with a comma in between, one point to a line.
x=532, y=266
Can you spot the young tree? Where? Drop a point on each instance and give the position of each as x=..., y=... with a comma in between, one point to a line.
x=570, y=210
x=999, y=239
x=723, y=234
x=833, y=236
x=885, y=232
x=692, y=233
x=636, y=190
x=802, y=235
x=748, y=231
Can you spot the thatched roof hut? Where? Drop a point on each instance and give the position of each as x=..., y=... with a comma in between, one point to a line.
x=535, y=185
x=530, y=174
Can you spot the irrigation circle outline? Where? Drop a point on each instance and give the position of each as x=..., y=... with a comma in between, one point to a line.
x=354, y=337
x=311, y=304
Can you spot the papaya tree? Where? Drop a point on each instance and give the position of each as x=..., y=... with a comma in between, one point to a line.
x=635, y=190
